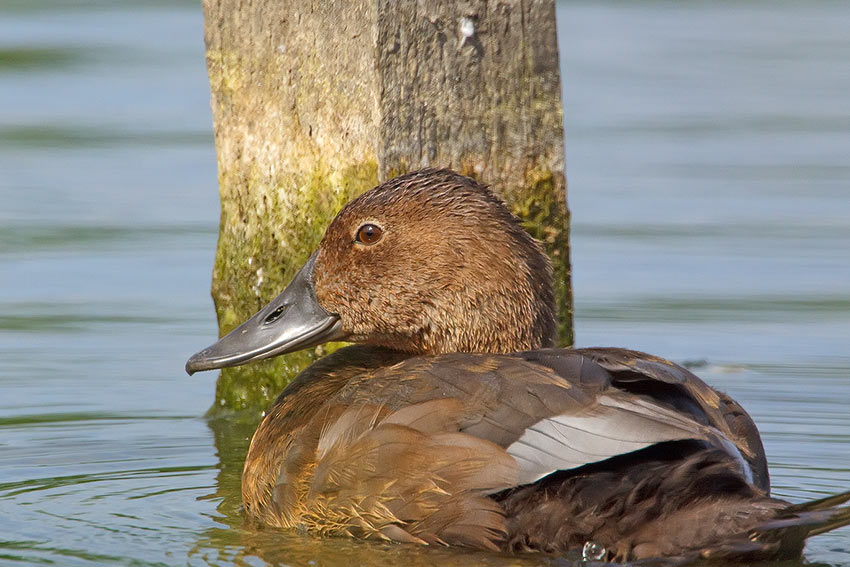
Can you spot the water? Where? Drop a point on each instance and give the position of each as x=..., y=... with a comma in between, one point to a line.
x=708, y=150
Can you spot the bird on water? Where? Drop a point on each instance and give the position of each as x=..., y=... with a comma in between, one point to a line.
x=452, y=420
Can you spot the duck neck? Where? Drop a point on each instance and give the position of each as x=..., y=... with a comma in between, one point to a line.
x=490, y=321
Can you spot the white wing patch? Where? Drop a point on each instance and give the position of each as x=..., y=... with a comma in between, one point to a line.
x=614, y=427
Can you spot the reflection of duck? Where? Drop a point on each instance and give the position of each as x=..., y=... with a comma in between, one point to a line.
x=454, y=423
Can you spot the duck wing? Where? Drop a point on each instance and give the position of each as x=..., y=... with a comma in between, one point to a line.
x=674, y=386
x=411, y=452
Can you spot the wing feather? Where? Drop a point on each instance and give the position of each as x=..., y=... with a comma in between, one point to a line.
x=614, y=427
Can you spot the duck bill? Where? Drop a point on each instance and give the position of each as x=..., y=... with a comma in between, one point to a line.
x=294, y=320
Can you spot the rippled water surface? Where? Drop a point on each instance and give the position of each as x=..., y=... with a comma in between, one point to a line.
x=708, y=148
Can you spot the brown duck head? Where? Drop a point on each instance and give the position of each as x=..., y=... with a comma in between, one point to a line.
x=429, y=262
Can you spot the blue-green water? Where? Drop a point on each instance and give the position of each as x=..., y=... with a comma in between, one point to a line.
x=709, y=170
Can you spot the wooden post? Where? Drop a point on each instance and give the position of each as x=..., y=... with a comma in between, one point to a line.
x=316, y=102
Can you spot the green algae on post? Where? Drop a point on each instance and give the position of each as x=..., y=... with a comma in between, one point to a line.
x=543, y=210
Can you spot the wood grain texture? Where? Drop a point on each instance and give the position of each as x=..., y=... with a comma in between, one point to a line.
x=487, y=105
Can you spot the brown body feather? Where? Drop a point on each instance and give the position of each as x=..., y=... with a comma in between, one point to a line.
x=373, y=444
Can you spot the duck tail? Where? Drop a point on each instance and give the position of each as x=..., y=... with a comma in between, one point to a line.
x=786, y=534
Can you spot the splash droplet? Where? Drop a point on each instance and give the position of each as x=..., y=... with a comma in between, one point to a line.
x=593, y=551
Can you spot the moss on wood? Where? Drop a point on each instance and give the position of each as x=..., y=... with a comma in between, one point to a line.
x=543, y=208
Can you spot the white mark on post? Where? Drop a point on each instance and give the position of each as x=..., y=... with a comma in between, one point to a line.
x=467, y=30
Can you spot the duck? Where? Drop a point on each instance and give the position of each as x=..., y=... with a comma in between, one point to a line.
x=453, y=419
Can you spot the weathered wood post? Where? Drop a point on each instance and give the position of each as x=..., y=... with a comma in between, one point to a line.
x=315, y=102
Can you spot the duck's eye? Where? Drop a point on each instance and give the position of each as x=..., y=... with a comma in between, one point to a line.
x=369, y=234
